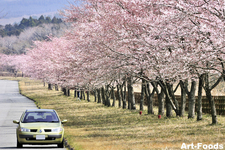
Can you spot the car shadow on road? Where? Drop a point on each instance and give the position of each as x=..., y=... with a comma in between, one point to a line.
x=28, y=148
x=8, y=148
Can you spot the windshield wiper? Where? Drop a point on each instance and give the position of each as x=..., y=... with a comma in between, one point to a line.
x=52, y=121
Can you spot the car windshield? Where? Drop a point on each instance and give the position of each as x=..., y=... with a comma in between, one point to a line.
x=40, y=117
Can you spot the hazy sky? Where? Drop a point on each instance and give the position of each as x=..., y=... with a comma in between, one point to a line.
x=12, y=11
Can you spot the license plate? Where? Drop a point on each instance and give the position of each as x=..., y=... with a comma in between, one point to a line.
x=40, y=137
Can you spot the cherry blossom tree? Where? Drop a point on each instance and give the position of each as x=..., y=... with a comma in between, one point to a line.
x=175, y=33
x=207, y=17
x=159, y=42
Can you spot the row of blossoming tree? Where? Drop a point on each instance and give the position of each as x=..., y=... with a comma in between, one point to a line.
x=114, y=43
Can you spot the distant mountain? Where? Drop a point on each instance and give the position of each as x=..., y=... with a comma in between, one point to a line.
x=16, y=29
x=23, y=35
x=12, y=10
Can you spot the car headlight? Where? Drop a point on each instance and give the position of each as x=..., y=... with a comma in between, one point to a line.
x=57, y=130
x=24, y=130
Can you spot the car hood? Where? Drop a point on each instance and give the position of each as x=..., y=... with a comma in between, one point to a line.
x=40, y=125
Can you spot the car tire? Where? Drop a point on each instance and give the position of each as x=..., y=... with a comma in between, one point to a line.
x=19, y=145
x=61, y=145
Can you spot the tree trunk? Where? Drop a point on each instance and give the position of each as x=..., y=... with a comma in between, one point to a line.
x=88, y=95
x=142, y=94
x=113, y=96
x=107, y=96
x=75, y=93
x=133, y=103
x=56, y=87
x=83, y=93
x=78, y=94
x=67, y=92
x=95, y=94
x=213, y=107
x=168, y=108
x=171, y=93
x=103, y=95
x=169, y=102
x=161, y=103
x=15, y=73
x=131, y=98
x=108, y=101
x=150, y=105
x=199, y=109
x=183, y=98
x=149, y=96
x=99, y=95
x=211, y=100
x=191, y=100
x=64, y=90
x=119, y=95
x=124, y=95
x=50, y=86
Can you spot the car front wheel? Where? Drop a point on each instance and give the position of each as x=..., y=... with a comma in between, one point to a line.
x=19, y=145
x=61, y=145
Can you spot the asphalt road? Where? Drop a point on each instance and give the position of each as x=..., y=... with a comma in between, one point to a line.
x=12, y=105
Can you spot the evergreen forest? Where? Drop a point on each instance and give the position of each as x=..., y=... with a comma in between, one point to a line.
x=16, y=29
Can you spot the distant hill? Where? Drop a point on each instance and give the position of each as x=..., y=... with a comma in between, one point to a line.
x=16, y=29
x=16, y=39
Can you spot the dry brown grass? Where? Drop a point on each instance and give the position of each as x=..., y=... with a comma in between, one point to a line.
x=92, y=126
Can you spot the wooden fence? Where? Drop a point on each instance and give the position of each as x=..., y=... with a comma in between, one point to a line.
x=219, y=102
x=10, y=74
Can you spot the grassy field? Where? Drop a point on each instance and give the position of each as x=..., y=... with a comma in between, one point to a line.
x=92, y=126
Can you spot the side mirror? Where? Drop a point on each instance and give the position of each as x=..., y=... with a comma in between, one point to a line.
x=16, y=121
x=64, y=121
